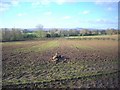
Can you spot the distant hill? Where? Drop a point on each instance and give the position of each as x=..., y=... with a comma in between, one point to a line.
x=47, y=29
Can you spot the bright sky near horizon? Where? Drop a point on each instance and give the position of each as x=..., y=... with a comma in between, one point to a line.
x=59, y=14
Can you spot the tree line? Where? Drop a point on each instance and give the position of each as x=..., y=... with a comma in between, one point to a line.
x=15, y=34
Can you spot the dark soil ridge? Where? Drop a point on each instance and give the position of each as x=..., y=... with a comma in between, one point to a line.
x=37, y=84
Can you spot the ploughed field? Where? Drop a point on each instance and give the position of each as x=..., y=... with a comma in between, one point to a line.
x=86, y=63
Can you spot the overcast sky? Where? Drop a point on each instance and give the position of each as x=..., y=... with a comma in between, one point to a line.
x=58, y=14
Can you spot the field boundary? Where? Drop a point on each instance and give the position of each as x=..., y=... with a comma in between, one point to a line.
x=113, y=38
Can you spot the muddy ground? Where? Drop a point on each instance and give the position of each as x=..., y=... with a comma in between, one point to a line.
x=29, y=62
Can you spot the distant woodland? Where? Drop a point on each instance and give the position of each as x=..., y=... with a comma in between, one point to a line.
x=16, y=34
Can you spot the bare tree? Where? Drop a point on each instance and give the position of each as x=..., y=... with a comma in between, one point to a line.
x=40, y=26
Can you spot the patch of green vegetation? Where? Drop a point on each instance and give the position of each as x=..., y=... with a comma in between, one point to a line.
x=47, y=72
x=114, y=62
x=11, y=43
x=40, y=47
